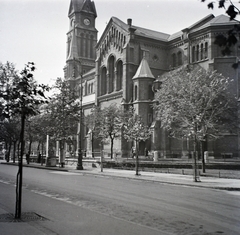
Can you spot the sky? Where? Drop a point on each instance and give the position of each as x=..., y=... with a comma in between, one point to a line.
x=35, y=30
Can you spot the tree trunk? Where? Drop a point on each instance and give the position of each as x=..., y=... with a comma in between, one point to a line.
x=136, y=164
x=9, y=151
x=92, y=140
x=42, y=154
x=195, y=159
x=30, y=147
x=19, y=174
x=202, y=156
x=112, y=147
x=18, y=149
x=14, y=150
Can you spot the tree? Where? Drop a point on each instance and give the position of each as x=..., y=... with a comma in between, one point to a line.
x=93, y=122
x=195, y=103
x=135, y=130
x=9, y=133
x=63, y=110
x=110, y=124
x=20, y=96
x=37, y=129
x=10, y=125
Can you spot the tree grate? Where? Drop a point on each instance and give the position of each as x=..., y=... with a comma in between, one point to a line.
x=25, y=217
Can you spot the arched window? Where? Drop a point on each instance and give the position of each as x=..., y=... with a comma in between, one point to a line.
x=174, y=60
x=206, y=50
x=135, y=92
x=72, y=23
x=111, y=74
x=179, y=58
x=201, y=52
x=89, y=89
x=92, y=88
x=193, y=54
x=85, y=88
x=119, y=75
x=197, y=53
x=103, y=85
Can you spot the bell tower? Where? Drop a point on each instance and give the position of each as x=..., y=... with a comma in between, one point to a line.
x=81, y=38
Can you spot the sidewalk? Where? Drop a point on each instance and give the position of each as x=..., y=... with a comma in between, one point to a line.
x=177, y=179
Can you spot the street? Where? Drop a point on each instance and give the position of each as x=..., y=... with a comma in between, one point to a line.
x=79, y=203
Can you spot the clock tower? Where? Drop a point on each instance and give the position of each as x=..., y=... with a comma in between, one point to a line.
x=81, y=38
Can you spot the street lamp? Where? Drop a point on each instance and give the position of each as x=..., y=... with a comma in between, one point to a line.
x=79, y=162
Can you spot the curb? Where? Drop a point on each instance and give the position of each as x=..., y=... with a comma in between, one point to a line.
x=55, y=168
x=133, y=177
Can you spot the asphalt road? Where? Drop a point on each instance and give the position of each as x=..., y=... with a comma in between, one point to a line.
x=78, y=203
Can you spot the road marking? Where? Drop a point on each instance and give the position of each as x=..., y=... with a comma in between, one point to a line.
x=65, y=173
x=235, y=193
x=4, y=182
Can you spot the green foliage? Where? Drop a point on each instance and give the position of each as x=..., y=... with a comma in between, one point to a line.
x=134, y=129
x=62, y=114
x=106, y=123
x=110, y=123
x=93, y=122
x=9, y=130
x=20, y=94
x=37, y=128
x=193, y=102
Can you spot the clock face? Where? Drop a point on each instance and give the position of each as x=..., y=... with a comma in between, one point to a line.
x=86, y=21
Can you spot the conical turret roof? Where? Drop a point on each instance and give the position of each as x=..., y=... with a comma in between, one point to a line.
x=143, y=70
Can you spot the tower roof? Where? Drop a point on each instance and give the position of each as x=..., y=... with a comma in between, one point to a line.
x=143, y=70
x=82, y=5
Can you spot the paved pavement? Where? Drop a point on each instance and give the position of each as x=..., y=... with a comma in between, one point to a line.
x=178, y=179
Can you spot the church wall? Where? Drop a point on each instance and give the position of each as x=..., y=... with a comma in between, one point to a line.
x=121, y=42
x=230, y=142
x=130, y=64
x=156, y=56
x=224, y=65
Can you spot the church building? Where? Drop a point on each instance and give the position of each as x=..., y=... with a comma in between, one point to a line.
x=124, y=67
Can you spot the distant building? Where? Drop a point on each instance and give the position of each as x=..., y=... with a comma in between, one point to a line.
x=124, y=65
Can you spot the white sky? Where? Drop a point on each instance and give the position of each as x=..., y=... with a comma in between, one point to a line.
x=35, y=30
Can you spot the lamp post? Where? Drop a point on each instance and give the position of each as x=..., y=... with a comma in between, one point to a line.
x=79, y=162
